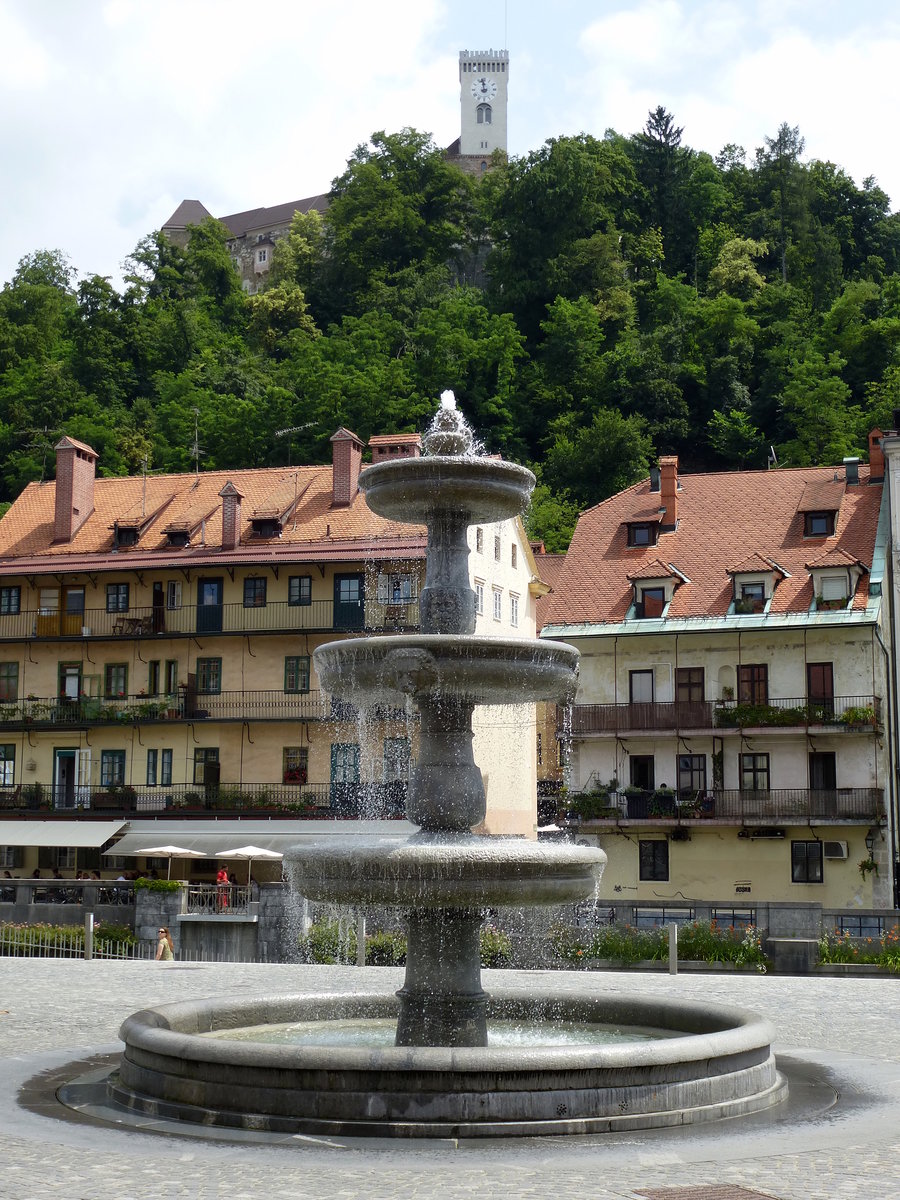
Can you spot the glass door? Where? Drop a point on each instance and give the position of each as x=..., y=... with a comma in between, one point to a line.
x=209, y=605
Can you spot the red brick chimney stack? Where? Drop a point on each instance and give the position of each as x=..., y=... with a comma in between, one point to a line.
x=75, y=470
x=345, y=464
x=231, y=516
x=876, y=456
x=668, y=491
x=395, y=445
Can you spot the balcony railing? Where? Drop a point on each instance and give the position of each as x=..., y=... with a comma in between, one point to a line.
x=355, y=801
x=774, y=806
x=847, y=711
x=840, y=711
x=271, y=705
x=156, y=622
x=215, y=900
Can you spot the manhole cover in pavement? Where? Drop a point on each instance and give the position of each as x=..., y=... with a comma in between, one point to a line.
x=707, y=1191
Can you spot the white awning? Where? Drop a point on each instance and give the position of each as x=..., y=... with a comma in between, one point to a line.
x=58, y=833
x=214, y=836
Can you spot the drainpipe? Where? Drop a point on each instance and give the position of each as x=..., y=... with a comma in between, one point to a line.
x=893, y=749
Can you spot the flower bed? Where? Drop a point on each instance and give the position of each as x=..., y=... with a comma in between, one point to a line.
x=841, y=948
x=623, y=945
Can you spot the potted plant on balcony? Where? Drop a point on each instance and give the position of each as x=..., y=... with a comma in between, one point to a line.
x=823, y=605
x=858, y=716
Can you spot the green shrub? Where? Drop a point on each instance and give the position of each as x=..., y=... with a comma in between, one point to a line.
x=385, y=949
x=142, y=883
x=329, y=942
x=333, y=942
x=701, y=941
x=496, y=949
x=20, y=940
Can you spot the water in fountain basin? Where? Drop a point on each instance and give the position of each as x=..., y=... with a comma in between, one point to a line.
x=377, y=1034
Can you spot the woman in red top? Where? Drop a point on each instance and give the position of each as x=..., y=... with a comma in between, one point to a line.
x=222, y=885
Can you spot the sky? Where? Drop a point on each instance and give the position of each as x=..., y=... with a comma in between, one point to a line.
x=116, y=110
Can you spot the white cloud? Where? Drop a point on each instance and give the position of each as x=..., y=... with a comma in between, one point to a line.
x=735, y=72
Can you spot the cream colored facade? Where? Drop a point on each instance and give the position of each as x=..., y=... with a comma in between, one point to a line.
x=737, y=847
x=734, y=738
x=141, y=690
x=505, y=577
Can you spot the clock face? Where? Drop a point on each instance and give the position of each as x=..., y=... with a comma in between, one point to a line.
x=484, y=88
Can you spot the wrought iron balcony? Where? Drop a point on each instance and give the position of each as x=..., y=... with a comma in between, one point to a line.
x=36, y=712
x=361, y=800
x=323, y=616
x=847, y=712
x=779, y=806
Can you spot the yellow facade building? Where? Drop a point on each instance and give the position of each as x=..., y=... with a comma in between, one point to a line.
x=156, y=643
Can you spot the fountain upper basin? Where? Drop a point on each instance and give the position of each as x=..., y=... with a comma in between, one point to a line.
x=462, y=666
x=473, y=489
x=440, y=871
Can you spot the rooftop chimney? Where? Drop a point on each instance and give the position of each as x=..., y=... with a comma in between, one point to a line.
x=668, y=487
x=876, y=456
x=851, y=471
x=395, y=445
x=345, y=463
x=75, y=469
x=231, y=516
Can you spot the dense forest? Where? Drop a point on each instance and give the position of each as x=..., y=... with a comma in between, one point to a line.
x=593, y=304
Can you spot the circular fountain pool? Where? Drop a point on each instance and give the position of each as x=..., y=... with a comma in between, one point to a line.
x=709, y=1062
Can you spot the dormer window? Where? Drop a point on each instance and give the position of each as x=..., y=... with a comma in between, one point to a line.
x=642, y=533
x=652, y=601
x=126, y=537
x=654, y=586
x=751, y=598
x=178, y=538
x=265, y=527
x=754, y=582
x=835, y=576
x=818, y=524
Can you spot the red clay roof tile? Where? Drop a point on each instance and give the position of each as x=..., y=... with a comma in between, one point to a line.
x=722, y=518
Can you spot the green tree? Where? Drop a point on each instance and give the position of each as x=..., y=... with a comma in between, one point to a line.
x=399, y=203
x=587, y=464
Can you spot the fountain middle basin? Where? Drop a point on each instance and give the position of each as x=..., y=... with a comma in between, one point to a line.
x=718, y=1063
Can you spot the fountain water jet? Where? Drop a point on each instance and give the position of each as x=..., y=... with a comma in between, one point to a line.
x=442, y=1077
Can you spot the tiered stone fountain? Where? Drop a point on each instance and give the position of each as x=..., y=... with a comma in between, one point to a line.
x=443, y=1076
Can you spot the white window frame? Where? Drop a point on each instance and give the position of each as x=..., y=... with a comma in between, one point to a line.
x=514, y=610
x=498, y=603
x=479, y=597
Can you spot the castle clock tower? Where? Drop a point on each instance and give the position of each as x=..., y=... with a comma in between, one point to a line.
x=483, y=78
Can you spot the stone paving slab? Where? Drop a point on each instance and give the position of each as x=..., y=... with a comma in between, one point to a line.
x=57, y=1011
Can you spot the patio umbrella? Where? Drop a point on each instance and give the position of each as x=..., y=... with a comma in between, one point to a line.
x=250, y=853
x=171, y=852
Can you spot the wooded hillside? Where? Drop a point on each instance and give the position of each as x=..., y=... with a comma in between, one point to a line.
x=593, y=304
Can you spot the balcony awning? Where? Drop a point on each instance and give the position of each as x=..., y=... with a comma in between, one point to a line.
x=58, y=833
x=212, y=837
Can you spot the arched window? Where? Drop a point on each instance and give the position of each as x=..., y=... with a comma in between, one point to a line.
x=484, y=114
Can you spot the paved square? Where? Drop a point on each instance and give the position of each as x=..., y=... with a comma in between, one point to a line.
x=845, y=1031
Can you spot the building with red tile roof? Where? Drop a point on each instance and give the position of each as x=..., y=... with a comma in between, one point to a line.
x=733, y=700
x=156, y=648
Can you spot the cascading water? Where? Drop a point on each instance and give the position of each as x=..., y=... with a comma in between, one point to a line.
x=442, y=1077
x=444, y=877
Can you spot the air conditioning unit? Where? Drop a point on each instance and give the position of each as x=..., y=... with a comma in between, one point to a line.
x=834, y=849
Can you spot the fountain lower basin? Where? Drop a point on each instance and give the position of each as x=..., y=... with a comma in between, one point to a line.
x=718, y=1063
